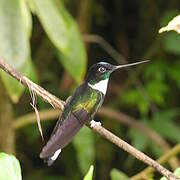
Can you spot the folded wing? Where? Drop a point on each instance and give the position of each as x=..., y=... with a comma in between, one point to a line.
x=64, y=134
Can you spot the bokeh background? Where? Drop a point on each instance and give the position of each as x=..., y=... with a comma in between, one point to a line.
x=53, y=42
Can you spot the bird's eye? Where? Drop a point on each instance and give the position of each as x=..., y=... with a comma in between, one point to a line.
x=102, y=69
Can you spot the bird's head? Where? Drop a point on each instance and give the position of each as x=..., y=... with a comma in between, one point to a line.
x=102, y=71
x=99, y=71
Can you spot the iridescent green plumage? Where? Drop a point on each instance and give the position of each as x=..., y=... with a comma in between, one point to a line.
x=79, y=109
x=86, y=98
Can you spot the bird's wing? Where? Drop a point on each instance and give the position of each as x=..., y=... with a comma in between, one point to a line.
x=60, y=119
x=65, y=133
x=67, y=110
x=72, y=119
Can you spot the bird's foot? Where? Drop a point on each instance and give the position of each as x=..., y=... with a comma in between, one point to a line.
x=94, y=123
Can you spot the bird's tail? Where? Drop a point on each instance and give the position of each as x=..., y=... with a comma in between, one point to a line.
x=63, y=135
x=50, y=159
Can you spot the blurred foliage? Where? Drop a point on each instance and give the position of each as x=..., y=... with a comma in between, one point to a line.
x=64, y=34
x=9, y=167
x=89, y=175
x=85, y=150
x=118, y=175
x=42, y=39
x=15, y=23
x=16, y=27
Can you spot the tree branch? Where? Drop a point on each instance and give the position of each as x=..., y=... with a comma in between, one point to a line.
x=55, y=102
x=144, y=174
x=93, y=38
x=134, y=123
x=49, y=114
x=51, y=99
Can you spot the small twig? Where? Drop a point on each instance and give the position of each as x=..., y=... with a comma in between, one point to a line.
x=33, y=105
x=93, y=38
x=51, y=99
x=163, y=159
x=45, y=115
x=99, y=129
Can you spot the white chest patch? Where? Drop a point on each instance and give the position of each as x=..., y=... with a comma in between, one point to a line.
x=100, y=86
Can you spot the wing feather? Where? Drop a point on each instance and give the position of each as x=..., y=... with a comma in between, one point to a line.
x=61, y=119
x=78, y=111
x=65, y=133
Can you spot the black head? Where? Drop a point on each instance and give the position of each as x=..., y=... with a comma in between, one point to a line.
x=102, y=71
x=99, y=71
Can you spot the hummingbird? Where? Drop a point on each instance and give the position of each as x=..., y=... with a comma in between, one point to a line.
x=80, y=109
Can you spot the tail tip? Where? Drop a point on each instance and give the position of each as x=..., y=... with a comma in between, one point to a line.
x=50, y=159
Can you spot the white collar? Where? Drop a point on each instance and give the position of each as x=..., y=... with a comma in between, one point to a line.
x=100, y=86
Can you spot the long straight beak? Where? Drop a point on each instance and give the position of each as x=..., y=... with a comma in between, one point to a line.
x=132, y=64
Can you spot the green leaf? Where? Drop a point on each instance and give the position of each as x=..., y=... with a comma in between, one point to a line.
x=174, y=73
x=89, y=175
x=163, y=123
x=84, y=145
x=156, y=70
x=171, y=42
x=64, y=34
x=177, y=172
x=118, y=175
x=170, y=131
x=135, y=98
x=138, y=139
x=9, y=167
x=163, y=178
x=14, y=43
x=157, y=90
x=168, y=16
x=26, y=14
x=168, y=115
x=157, y=151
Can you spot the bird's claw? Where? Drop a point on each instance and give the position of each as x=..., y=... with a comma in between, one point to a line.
x=94, y=123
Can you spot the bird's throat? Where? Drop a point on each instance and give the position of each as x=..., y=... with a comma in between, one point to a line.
x=100, y=86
